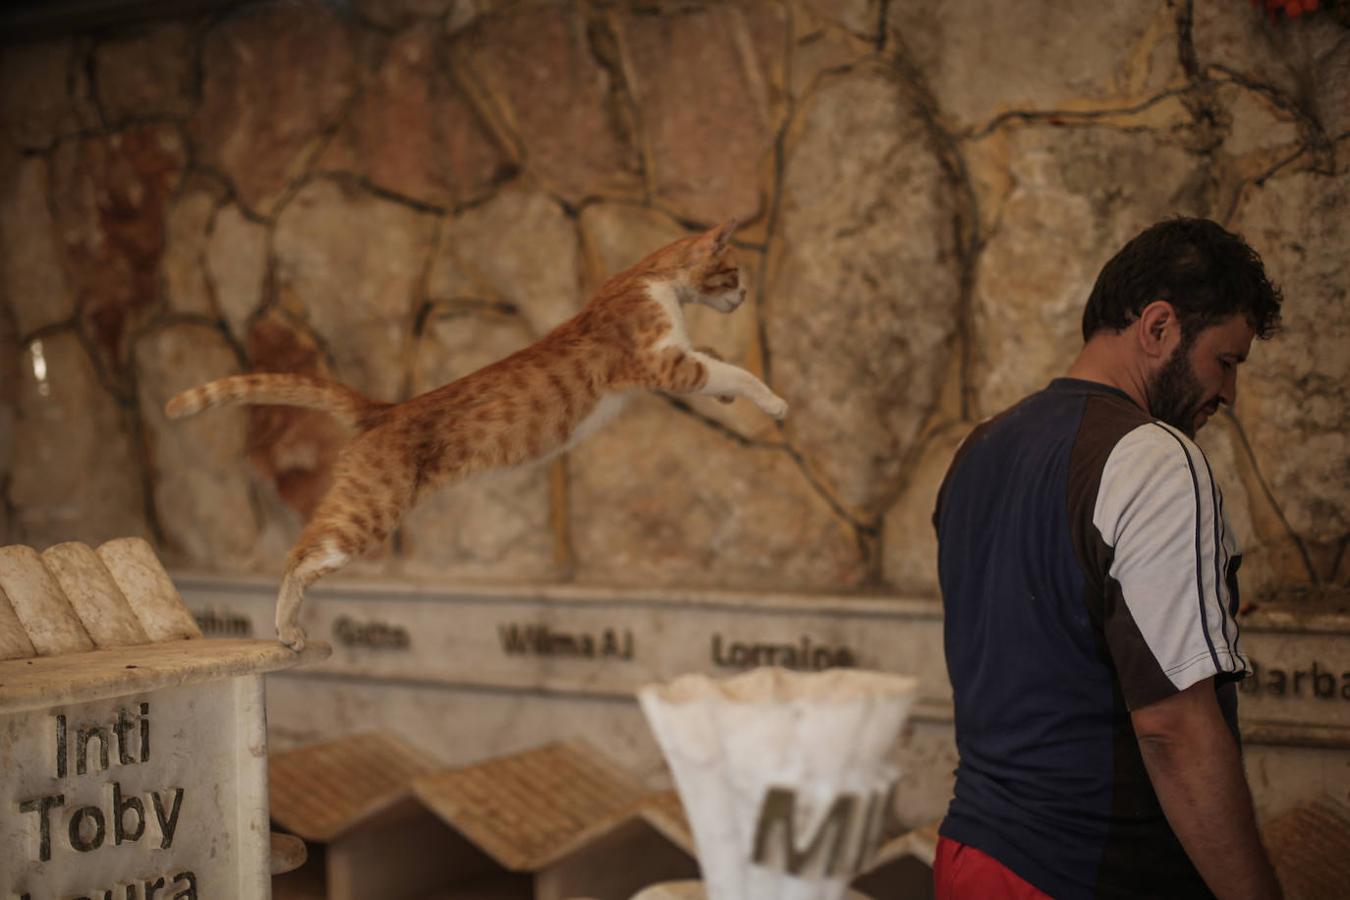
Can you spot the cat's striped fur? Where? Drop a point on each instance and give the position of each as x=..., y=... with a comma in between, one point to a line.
x=534, y=404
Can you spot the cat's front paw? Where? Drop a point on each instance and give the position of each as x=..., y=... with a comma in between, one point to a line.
x=292, y=636
x=776, y=407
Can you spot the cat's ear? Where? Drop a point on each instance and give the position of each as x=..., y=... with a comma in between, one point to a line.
x=720, y=237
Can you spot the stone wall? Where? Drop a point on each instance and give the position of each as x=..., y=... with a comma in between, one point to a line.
x=396, y=192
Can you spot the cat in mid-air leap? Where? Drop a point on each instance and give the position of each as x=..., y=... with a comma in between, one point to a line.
x=532, y=405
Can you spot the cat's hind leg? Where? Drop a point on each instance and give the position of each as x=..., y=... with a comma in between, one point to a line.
x=308, y=561
x=364, y=504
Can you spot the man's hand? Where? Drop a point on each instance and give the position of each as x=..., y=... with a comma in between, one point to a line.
x=1196, y=770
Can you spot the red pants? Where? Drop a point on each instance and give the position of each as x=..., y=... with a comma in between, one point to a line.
x=964, y=873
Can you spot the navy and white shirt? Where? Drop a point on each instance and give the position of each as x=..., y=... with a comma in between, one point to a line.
x=1087, y=570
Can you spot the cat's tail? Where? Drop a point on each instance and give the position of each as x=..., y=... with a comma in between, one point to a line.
x=343, y=403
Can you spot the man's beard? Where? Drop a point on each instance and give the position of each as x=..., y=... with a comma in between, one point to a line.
x=1174, y=393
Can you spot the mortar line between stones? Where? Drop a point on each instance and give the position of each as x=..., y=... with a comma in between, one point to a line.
x=602, y=36
x=1275, y=95
x=1186, y=53
x=91, y=80
x=720, y=427
x=1335, y=574
x=1270, y=498
x=870, y=529
x=1070, y=116
x=967, y=239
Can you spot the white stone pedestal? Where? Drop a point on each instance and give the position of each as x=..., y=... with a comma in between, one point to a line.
x=129, y=768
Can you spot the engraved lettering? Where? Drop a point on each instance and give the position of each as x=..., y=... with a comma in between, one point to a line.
x=120, y=732
x=375, y=635
x=42, y=806
x=776, y=814
x=223, y=623
x=189, y=892
x=145, y=732
x=60, y=746
x=167, y=826
x=542, y=640
x=1274, y=682
x=93, y=815
x=82, y=739
x=120, y=807
x=805, y=655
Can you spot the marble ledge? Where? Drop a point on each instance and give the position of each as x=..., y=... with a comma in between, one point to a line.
x=849, y=605
x=46, y=681
x=1328, y=616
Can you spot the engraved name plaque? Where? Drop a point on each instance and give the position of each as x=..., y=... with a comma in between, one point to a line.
x=133, y=754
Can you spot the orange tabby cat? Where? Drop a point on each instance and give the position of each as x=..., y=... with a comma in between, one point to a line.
x=530, y=406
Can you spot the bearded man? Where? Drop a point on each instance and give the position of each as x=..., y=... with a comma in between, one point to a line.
x=1089, y=583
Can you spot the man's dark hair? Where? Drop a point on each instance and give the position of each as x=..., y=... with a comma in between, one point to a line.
x=1205, y=272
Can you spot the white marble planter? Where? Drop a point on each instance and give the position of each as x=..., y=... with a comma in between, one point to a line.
x=787, y=777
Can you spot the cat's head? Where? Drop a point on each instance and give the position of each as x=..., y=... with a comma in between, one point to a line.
x=711, y=275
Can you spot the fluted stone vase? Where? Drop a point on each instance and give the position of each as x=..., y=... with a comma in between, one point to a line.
x=786, y=777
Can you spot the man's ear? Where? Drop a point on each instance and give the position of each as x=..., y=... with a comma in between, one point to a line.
x=1159, y=329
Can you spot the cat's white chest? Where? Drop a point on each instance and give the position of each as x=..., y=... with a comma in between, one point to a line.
x=665, y=297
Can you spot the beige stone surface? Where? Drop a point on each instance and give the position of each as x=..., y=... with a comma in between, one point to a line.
x=497, y=526
x=39, y=604
x=862, y=17
x=1295, y=394
x=34, y=282
x=100, y=604
x=148, y=72
x=414, y=131
x=136, y=569
x=110, y=196
x=1078, y=194
x=909, y=543
x=260, y=114
x=491, y=159
x=14, y=641
x=1271, y=559
x=349, y=262
x=988, y=57
x=1233, y=40
x=202, y=487
x=706, y=136
x=76, y=473
x=399, y=13
x=518, y=249
x=1331, y=80
x=36, y=105
x=818, y=50
x=658, y=498
x=1257, y=126
x=863, y=287
x=186, y=232
x=236, y=260
x=559, y=103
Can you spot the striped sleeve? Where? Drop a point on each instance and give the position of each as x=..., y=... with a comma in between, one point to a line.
x=1171, y=620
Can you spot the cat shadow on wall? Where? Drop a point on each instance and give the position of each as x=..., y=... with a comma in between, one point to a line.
x=529, y=407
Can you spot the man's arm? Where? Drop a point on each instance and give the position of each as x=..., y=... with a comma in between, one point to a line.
x=1196, y=770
